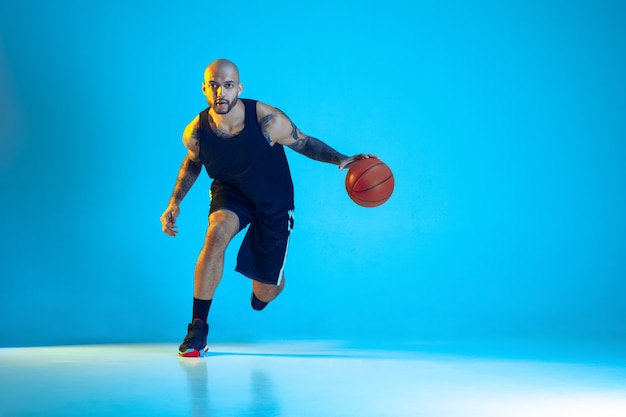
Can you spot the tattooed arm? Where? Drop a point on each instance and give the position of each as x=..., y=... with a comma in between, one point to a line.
x=187, y=175
x=278, y=128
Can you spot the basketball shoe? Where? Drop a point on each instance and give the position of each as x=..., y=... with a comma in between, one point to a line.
x=194, y=345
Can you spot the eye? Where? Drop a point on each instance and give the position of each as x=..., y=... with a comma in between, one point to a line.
x=230, y=85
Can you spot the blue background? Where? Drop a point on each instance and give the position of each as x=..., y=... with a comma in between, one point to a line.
x=502, y=121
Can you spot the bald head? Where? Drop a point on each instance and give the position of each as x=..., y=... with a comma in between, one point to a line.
x=221, y=67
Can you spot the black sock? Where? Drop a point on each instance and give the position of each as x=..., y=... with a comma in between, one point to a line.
x=257, y=304
x=201, y=309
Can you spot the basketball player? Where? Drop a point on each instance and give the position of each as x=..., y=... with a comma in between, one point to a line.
x=240, y=144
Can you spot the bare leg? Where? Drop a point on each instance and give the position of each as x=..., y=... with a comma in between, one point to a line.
x=223, y=226
x=267, y=292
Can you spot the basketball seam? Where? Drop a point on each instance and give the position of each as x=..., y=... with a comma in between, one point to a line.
x=372, y=201
x=362, y=173
x=373, y=186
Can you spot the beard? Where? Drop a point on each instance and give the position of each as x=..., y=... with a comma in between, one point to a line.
x=225, y=106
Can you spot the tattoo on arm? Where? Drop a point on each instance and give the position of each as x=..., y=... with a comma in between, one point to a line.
x=265, y=126
x=265, y=122
x=306, y=145
x=187, y=175
x=316, y=149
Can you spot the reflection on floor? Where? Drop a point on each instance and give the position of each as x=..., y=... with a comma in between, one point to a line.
x=300, y=380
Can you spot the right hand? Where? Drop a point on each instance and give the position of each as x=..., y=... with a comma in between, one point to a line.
x=168, y=220
x=348, y=162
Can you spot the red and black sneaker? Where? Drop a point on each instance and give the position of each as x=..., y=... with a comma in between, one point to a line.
x=194, y=345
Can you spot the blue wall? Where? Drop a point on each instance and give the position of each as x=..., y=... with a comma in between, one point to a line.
x=504, y=125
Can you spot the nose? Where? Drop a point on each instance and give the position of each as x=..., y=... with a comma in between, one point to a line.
x=220, y=91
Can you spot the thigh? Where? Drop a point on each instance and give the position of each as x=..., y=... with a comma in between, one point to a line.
x=263, y=252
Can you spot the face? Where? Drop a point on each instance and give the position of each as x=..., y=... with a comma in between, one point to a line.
x=221, y=87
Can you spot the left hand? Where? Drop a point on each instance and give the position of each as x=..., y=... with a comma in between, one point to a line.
x=347, y=162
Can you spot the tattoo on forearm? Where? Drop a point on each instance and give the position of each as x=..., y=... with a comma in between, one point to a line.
x=187, y=175
x=316, y=149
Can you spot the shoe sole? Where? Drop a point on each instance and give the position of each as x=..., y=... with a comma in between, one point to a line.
x=193, y=353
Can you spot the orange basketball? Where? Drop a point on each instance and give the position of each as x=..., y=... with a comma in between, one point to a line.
x=369, y=182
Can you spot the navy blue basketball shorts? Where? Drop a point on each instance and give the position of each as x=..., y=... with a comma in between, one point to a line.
x=263, y=251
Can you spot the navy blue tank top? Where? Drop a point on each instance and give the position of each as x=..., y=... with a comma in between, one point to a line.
x=248, y=162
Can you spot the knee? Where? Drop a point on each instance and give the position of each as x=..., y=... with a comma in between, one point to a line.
x=267, y=292
x=217, y=237
x=222, y=228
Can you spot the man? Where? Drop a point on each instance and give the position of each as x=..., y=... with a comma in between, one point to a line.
x=240, y=143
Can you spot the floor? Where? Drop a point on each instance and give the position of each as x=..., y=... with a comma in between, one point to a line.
x=304, y=379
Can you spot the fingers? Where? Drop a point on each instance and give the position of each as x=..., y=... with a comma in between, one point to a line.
x=169, y=228
x=168, y=223
x=170, y=231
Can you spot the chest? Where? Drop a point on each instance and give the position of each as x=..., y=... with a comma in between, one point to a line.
x=227, y=131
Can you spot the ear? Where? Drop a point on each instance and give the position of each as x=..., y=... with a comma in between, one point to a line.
x=239, y=89
x=203, y=88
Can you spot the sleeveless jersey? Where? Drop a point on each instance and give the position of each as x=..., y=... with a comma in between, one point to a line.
x=248, y=163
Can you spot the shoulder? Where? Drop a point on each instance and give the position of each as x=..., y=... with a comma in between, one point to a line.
x=270, y=116
x=191, y=128
x=190, y=136
x=264, y=110
x=275, y=125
